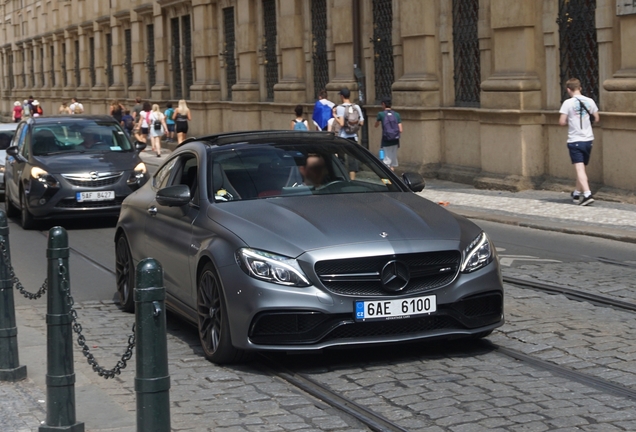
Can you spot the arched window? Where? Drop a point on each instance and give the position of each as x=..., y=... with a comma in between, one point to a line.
x=578, y=46
x=383, y=48
x=466, y=54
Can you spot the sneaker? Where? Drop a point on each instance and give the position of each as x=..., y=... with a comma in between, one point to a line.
x=575, y=197
x=586, y=200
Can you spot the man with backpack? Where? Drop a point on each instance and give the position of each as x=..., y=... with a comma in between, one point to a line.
x=391, y=131
x=350, y=119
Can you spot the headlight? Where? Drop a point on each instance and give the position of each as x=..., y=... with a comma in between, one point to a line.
x=478, y=254
x=272, y=268
x=140, y=168
x=44, y=177
x=1, y=168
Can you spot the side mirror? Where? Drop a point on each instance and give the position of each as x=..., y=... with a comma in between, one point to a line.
x=12, y=151
x=174, y=196
x=140, y=146
x=414, y=181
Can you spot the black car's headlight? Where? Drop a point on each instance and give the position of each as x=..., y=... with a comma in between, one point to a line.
x=44, y=177
x=272, y=268
x=478, y=254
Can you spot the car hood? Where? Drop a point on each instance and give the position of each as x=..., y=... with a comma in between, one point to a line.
x=295, y=225
x=83, y=162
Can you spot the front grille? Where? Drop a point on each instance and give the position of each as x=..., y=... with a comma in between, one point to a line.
x=71, y=203
x=361, y=276
x=288, y=323
x=100, y=180
x=394, y=328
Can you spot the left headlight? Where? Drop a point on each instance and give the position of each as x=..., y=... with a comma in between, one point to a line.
x=478, y=254
x=140, y=168
x=44, y=177
x=271, y=268
x=138, y=174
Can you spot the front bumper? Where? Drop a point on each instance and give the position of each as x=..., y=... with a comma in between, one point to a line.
x=45, y=201
x=264, y=316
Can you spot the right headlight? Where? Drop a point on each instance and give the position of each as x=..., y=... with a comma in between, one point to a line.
x=477, y=254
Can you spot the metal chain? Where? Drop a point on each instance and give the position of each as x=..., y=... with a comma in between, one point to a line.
x=81, y=340
x=16, y=281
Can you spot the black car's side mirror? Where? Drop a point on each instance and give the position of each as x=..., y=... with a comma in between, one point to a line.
x=414, y=181
x=174, y=196
x=12, y=151
x=140, y=146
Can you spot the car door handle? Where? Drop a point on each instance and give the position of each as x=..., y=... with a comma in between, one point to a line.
x=152, y=211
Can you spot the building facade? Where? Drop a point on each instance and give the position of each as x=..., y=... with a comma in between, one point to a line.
x=478, y=82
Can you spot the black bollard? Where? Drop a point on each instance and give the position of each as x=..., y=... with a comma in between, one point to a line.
x=152, y=382
x=10, y=369
x=60, y=373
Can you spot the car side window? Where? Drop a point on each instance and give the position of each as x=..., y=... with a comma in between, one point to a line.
x=160, y=180
x=24, y=143
x=16, y=137
x=188, y=175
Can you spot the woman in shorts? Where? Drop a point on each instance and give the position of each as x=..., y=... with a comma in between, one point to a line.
x=143, y=123
x=158, y=127
x=181, y=118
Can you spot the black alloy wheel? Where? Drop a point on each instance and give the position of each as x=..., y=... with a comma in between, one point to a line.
x=213, y=323
x=26, y=218
x=124, y=274
x=9, y=207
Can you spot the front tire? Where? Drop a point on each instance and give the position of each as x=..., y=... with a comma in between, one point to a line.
x=213, y=322
x=26, y=218
x=125, y=274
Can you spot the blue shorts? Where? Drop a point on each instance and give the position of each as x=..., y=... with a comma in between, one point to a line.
x=170, y=127
x=580, y=151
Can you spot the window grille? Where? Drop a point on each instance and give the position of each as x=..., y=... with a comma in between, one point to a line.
x=63, y=65
x=578, y=45
x=128, y=57
x=466, y=53
x=150, y=58
x=271, y=62
x=319, y=36
x=52, y=65
x=383, y=48
x=176, y=59
x=10, y=70
x=109, y=60
x=78, y=76
x=32, y=66
x=188, y=68
x=91, y=61
x=42, y=66
x=228, y=53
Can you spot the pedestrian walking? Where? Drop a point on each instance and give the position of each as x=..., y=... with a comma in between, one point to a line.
x=181, y=118
x=577, y=114
x=143, y=123
x=116, y=110
x=391, y=131
x=16, y=114
x=158, y=127
x=37, y=110
x=137, y=108
x=169, y=121
x=323, y=111
x=76, y=106
x=26, y=108
x=350, y=119
x=128, y=123
x=63, y=109
x=299, y=123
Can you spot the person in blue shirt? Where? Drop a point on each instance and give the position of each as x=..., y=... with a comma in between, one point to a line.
x=170, y=122
x=322, y=111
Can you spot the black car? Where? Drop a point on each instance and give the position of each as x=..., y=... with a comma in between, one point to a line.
x=268, y=242
x=70, y=166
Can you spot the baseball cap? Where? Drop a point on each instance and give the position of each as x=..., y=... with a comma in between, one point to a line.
x=344, y=92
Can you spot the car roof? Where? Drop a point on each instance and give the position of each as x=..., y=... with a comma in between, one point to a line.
x=248, y=137
x=8, y=126
x=75, y=118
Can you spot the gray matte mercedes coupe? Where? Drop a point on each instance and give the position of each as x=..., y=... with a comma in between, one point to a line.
x=284, y=240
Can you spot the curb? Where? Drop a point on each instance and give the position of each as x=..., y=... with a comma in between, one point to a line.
x=605, y=233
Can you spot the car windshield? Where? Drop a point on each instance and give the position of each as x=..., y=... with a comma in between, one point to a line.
x=83, y=136
x=269, y=170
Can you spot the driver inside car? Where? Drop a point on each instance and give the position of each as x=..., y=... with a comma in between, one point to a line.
x=92, y=141
x=314, y=171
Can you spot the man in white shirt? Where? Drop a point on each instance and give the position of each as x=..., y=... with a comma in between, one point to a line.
x=576, y=113
x=344, y=118
x=76, y=107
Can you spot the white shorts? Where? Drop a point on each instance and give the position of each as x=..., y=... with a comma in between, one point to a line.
x=390, y=156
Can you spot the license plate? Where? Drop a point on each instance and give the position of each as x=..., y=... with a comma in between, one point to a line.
x=375, y=310
x=95, y=196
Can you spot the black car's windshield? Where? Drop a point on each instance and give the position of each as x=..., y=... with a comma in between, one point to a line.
x=82, y=136
x=258, y=171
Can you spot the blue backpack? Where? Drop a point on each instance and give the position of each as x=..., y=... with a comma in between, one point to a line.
x=390, y=128
x=300, y=125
